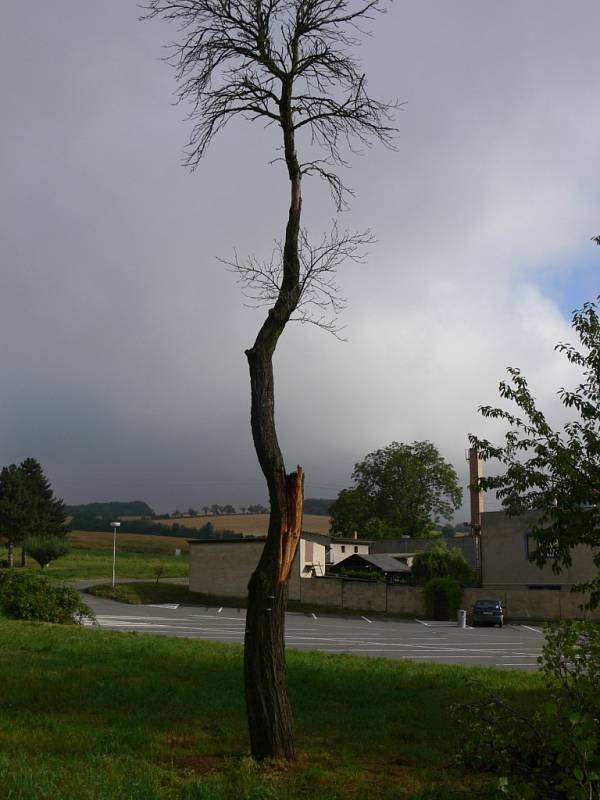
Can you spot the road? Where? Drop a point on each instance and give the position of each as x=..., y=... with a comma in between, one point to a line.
x=514, y=646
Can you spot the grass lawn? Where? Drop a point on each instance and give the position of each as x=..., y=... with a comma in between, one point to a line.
x=82, y=563
x=87, y=714
x=144, y=593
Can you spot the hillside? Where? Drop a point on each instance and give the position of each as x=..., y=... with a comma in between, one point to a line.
x=249, y=524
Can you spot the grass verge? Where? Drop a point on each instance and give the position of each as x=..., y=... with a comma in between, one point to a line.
x=84, y=563
x=144, y=593
x=87, y=714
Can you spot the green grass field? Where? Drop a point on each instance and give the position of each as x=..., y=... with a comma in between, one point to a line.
x=87, y=714
x=137, y=557
x=93, y=563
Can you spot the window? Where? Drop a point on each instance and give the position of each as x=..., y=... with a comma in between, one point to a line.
x=356, y=548
x=343, y=548
x=530, y=545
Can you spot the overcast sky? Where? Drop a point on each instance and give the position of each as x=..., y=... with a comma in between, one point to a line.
x=122, y=337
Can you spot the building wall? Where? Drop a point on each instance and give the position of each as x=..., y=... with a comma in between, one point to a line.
x=223, y=568
x=339, y=551
x=404, y=601
x=312, y=556
x=504, y=556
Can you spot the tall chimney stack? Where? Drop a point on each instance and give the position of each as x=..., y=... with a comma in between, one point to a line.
x=475, y=472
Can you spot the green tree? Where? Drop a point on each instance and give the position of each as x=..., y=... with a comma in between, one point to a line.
x=401, y=490
x=14, y=508
x=554, y=472
x=45, y=549
x=440, y=561
x=28, y=507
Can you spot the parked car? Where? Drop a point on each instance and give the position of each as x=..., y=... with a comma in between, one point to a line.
x=487, y=612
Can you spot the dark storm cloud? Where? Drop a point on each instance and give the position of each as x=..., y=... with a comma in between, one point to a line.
x=122, y=337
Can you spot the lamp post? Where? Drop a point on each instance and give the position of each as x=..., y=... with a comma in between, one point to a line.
x=115, y=525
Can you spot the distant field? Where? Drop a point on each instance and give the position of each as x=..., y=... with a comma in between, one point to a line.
x=251, y=524
x=132, y=542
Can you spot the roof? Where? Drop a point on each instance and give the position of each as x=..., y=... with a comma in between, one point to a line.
x=384, y=563
x=344, y=540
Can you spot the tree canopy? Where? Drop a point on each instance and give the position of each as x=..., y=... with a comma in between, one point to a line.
x=440, y=561
x=554, y=472
x=28, y=507
x=400, y=490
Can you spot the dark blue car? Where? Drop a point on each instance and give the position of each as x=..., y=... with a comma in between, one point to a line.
x=487, y=612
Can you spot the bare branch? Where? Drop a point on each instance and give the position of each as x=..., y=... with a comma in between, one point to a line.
x=236, y=57
x=320, y=301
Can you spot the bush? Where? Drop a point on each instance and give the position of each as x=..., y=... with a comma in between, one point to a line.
x=442, y=598
x=25, y=595
x=441, y=562
x=554, y=753
x=45, y=549
x=362, y=574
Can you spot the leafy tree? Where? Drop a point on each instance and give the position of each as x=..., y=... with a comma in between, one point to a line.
x=45, y=549
x=28, y=507
x=113, y=509
x=318, y=505
x=287, y=64
x=400, y=490
x=192, y=512
x=215, y=509
x=440, y=561
x=48, y=513
x=554, y=472
x=14, y=508
x=228, y=509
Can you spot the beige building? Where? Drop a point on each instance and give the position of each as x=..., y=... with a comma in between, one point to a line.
x=340, y=548
x=222, y=568
x=506, y=543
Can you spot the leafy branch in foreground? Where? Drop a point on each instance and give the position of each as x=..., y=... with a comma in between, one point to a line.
x=554, y=472
x=554, y=752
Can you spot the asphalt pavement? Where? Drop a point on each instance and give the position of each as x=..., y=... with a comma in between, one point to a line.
x=512, y=647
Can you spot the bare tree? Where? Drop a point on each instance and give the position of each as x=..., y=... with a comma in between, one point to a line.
x=287, y=63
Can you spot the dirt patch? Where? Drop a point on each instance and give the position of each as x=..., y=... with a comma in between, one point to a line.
x=200, y=764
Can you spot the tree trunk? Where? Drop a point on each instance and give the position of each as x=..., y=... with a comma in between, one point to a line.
x=23, y=557
x=10, y=553
x=270, y=719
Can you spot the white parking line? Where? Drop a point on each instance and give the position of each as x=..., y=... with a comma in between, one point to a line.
x=535, y=630
x=219, y=611
x=171, y=606
x=367, y=620
x=422, y=623
x=314, y=616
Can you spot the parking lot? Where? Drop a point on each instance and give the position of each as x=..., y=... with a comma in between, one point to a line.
x=511, y=647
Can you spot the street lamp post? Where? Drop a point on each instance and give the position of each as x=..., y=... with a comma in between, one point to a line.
x=115, y=525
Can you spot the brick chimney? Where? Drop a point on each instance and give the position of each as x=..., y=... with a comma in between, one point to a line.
x=475, y=472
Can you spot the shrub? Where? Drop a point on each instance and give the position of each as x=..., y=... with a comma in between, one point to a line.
x=45, y=549
x=442, y=598
x=441, y=562
x=26, y=595
x=554, y=753
x=362, y=574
